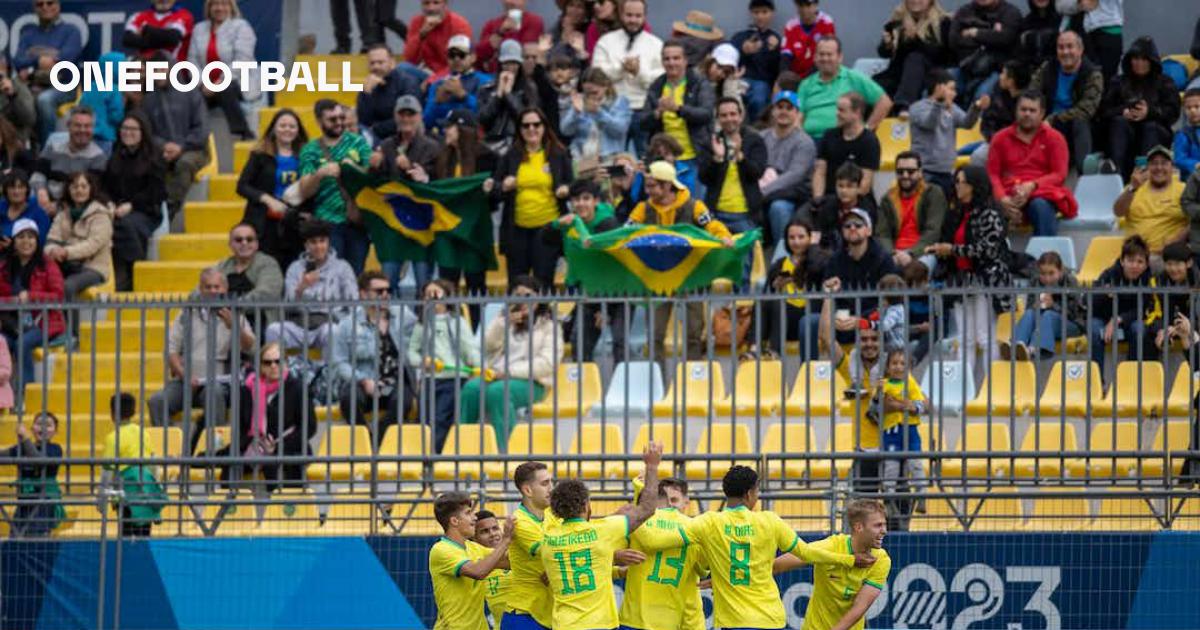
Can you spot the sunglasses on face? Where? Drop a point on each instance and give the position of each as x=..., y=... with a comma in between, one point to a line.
x=853, y=225
x=244, y=239
x=271, y=361
x=531, y=125
x=906, y=171
x=457, y=54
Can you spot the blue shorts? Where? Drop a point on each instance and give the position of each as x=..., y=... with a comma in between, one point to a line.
x=520, y=621
x=900, y=436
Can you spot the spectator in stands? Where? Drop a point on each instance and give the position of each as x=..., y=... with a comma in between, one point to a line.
x=250, y=274
x=801, y=35
x=975, y=253
x=856, y=266
x=429, y=34
x=1039, y=32
x=515, y=24
x=863, y=368
x=1045, y=315
x=915, y=41
x=1141, y=105
x=16, y=102
x=557, y=75
x=826, y=215
x=759, y=47
x=1187, y=139
x=820, y=93
x=18, y=204
x=226, y=37
x=665, y=148
x=368, y=31
x=179, y=124
x=617, y=185
x=798, y=271
x=791, y=154
x=108, y=105
x=1002, y=111
x=598, y=119
x=632, y=57
x=730, y=171
x=679, y=103
x=512, y=92
x=321, y=163
x=367, y=355
x=1028, y=164
x=38, y=511
x=533, y=180
x=699, y=33
x=445, y=350
x=1177, y=280
x=27, y=276
x=1190, y=203
x=143, y=500
x=720, y=68
x=460, y=89
x=273, y=168
x=318, y=275
x=1102, y=22
x=62, y=156
x=983, y=35
x=199, y=345
x=39, y=46
x=1125, y=312
x=385, y=83
x=935, y=123
x=81, y=236
x=605, y=18
x=463, y=155
x=569, y=32
x=13, y=152
x=911, y=214
x=848, y=143
x=1151, y=204
x=522, y=348
x=1072, y=87
x=165, y=27
x=135, y=180
x=1195, y=51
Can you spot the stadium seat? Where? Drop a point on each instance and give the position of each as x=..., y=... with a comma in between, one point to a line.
x=103, y=367
x=79, y=397
x=166, y=442
x=411, y=440
x=1067, y=390
x=947, y=386
x=151, y=275
x=469, y=440
x=696, y=384
x=1172, y=437
x=303, y=100
x=978, y=437
x=1183, y=390
x=1106, y=435
x=842, y=440
x=220, y=437
x=342, y=440
x=1101, y=253
x=782, y=439
x=998, y=513
x=190, y=247
x=576, y=390
x=1125, y=514
x=1060, y=514
x=241, y=155
x=533, y=439
x=1063, y=245
x=223, y=187
x=1096, y=194
x=150, y=336
x=1008, y=390
x=334, y=65
x=1045, y=442
x=289, y=514
x=721, y=438
x=871, y=66
x=595, y=438
x=209, y=217
x=634, y=388
x=758, y=391
x=818, y=385
x=1137, y=391
x=894, y=139
x=669, y=434
x=808, y=514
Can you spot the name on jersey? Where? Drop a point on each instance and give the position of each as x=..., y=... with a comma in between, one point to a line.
x=741, y=531
x=572, y=538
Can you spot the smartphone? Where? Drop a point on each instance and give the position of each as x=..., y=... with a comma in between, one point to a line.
x=855, y=393
x=615, y=171
x=1140, y=161
x=310, y=266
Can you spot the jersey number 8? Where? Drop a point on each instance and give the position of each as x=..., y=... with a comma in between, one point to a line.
x=739, y=564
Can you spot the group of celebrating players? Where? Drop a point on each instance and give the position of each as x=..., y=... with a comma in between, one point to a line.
x=553, y=564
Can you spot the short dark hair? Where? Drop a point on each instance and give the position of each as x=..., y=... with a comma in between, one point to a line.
x=671, y=482
x=739, y=481
x=1050, y=258
x=378, y=45
x=788, y=81
x=365, y=278
x=937, y=77
x=663, y=140
x=848, y=172
x=762, y=4
x=526, y=472
x=482, y=514
x=447, y=504
x=324, y=105
x=1191, y=92
x=316, y=228
x=915, y=272
x=1135, y=246
x=569, y=499
x=123, y=405
x=675, y=42
x=82, y=110
x=1033, y=95
x=244, y=224
x=831, y=38
x=858, y=510
x=857, y=102
x=909, y=155
x=1019, y=72
x=725, y=100
x=1177, y=252
x=581, y=187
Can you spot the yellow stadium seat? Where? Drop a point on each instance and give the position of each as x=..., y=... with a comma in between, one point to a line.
x=1102, y=252
x=696, y=384
x=412, y=440
x=303, y=100
x=666, y=433
x=289, y=515
x=342, y=440
x=1106, y=435
x=208, y=217
x=86, y=521
x=894, y=139
x=308, y=120
x=843, y=440
x=1060, y=514
x=235, y=515
x=1067, y=389
x=104, y=366
x=1134, y=396
x=531, y=440
x=223, y=187
x=978, y=437
x=809, y=514
x=721, y=438
x=220, y=437
x=576, y=389
x=241, y=155
x=102, y=336
x=169, y=276
x=1188, y=518
x=963, y=137
x=192, y=247
x=758, y=391
x=596, y=439
x=1007, y=391
x=792, y=437
x=166, y=442
x=1183, y=389
x=468, y=440
x=818, y=385
x=1189, y=62
x=1172, y=437
x=350, y=519
x=1004, y=323
x=131, y=307
x=1045, y=442
x=1126, y=514
x=210, y=168
x=942, y=514
x=334, y=68
x=998, y=513
x=497, y=279
x=54, y=397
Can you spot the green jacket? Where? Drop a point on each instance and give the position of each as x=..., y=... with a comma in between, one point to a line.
x=143, y=494
x=931, y=213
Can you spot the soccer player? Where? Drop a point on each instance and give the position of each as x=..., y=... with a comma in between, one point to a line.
x=663, y=592
x=577, y=553
x=528, y=604
x=842, y=597
x=488, y=533
x=458, y=565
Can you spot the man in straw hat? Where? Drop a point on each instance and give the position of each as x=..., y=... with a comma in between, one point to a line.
x=699, y=33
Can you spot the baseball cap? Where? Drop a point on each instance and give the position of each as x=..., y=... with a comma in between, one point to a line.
x=459, y=42
x=1160, y=150
x=20, y=225
x=726, y=55
x=789, y=96
x=665, y=172
x=856, y=213
x=408, y=102
x=462, y=118
x=510, y=50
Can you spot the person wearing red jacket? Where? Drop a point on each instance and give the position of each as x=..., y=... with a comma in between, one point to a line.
x=516, y=23
x=1027, y=164
x=26, y=276
x=429, y=34
x=801, y=34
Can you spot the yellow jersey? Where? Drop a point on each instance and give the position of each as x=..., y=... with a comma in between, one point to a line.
x=733, y=197
x=740, y=547
x=663, y=593
x=674, y=125
x=535, y=204
x=902, y=389
x=459, y=599
x=834, y=588
x=128, y=441
x=577, y=556
x=868, y=429
x=496, y=594
x=526, y=592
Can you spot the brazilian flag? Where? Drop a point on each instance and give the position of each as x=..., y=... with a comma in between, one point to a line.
x=445, y=221
x=648, y=260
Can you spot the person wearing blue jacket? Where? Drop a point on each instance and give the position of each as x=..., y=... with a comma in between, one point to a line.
x=1187, y=139
x=108, y=105
x=39, y=46
x=456, y=90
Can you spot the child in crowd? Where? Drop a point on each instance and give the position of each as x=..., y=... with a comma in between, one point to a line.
x=140, y=497
x=1177, y=280
x=934, y=121
x=1124, y=312
x=38, y=511
x=898, y=407
x=1187, y=139
x=1045, y=313
x=444, y=347
x=893, y=316
x=920, y=311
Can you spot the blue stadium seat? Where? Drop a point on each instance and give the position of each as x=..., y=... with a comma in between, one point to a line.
x=1096, y=194
x=1061, y=244
x=948, y=385
x=645, y=384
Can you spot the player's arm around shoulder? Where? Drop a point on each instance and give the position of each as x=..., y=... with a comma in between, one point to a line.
x=497, y=558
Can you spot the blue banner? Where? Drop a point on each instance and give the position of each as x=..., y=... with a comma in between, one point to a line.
x=102, y=22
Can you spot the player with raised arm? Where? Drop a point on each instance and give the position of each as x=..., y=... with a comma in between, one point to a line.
x=529, y=605
x=577, y=553
x=458, y=565
x=488, y=533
